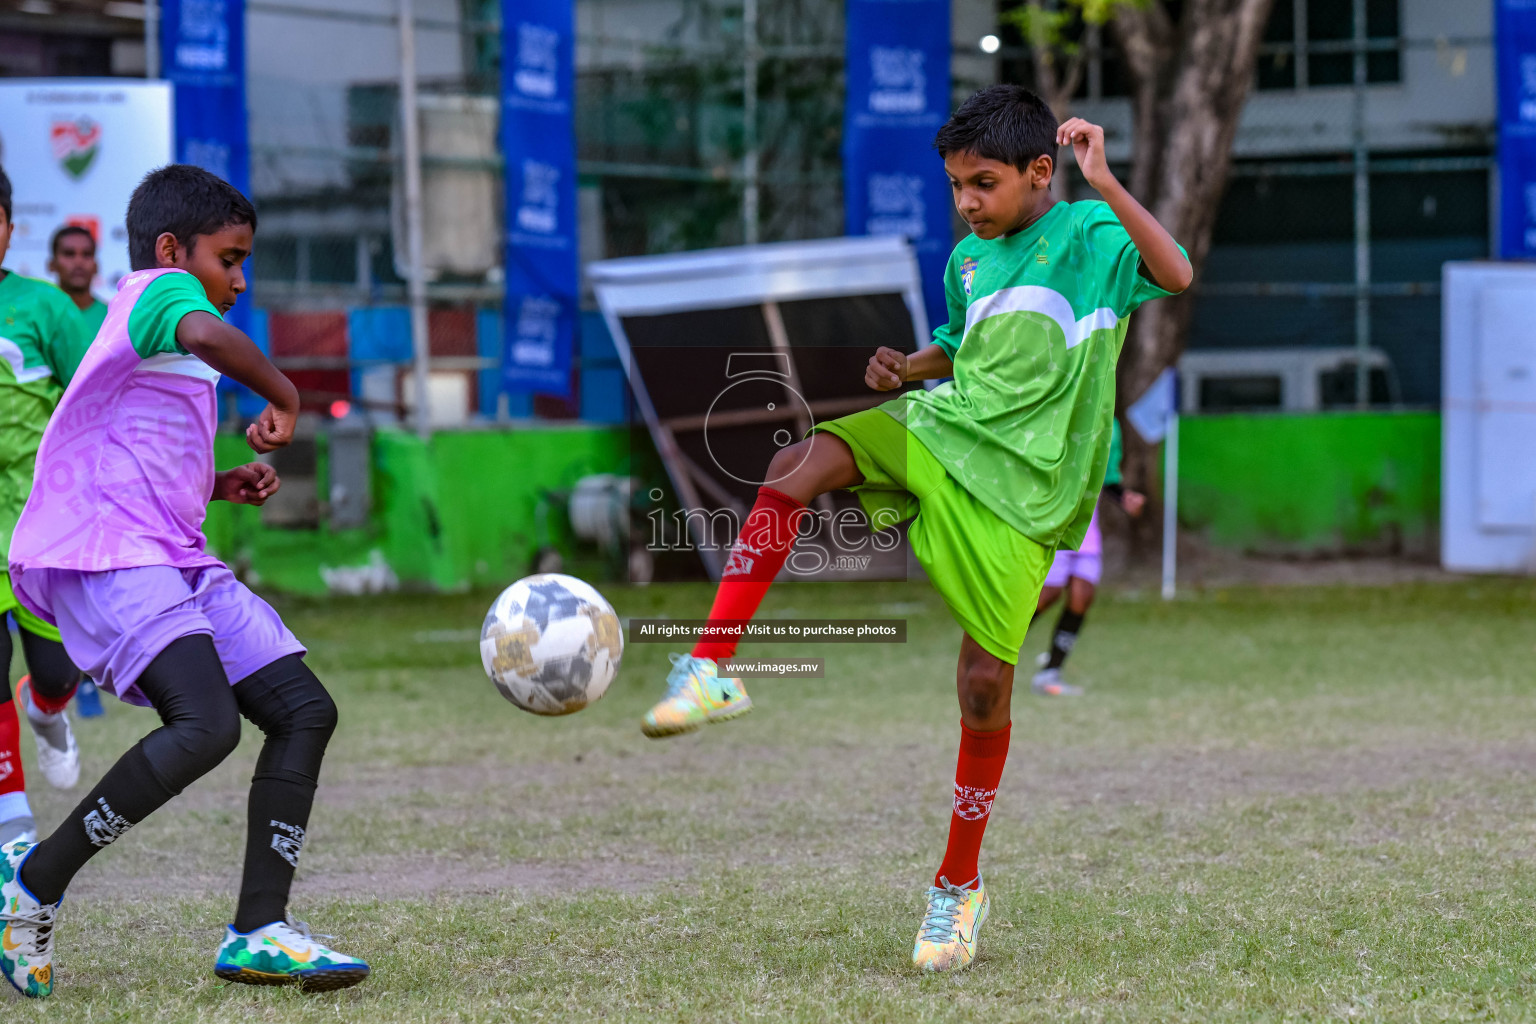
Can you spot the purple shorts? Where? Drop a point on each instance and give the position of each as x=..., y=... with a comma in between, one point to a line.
x=115, y=623
x=1086, y=563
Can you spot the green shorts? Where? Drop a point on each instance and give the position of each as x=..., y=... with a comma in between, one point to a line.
x=987, y=572
x=24, y=618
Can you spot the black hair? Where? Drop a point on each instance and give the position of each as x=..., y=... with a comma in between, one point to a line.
x=64, y=232
x=5, y=195
x=185, y=200
x=1007, y=123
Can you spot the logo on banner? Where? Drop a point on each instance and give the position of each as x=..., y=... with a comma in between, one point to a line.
x=1528, y=87
x=203, y=35
x=538, y=61
x=209, y=154
x=75, y=143
x=539, y=210
x=898, y=84
x=896, y=205
x=1530, y=217
x=538, y=324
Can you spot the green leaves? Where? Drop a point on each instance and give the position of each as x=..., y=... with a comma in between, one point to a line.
x=1058, y=24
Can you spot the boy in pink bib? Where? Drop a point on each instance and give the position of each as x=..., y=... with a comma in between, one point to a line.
x=110, y=548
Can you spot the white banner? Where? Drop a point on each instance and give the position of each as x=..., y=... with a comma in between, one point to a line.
x=74, y=149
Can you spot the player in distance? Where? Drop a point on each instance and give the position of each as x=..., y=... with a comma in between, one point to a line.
x=111, y=550
x=72, y=258
x=997, y=469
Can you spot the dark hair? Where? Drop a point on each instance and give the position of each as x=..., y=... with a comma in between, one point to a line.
x=1001, y=122
x=64, y=232
x=5, y=195
x=185, y=200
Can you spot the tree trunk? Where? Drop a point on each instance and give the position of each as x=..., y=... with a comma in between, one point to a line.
x=1190, y=79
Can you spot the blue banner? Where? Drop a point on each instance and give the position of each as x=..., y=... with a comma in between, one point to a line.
x=1515, y=35
x=202, y=54
x=539, y=143
x=898, y=97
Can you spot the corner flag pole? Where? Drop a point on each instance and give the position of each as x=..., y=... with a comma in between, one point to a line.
x=1171, y=503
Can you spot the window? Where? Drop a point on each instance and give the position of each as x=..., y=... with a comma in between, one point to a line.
x=1236, y=394
x=1310, y=43
x=1336, y=387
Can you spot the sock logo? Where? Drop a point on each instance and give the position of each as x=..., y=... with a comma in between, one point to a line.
x=7, y=764
x=104, y=825
x=288, y=841
x=743, y=557
x=973, y=803
x=1065, y=641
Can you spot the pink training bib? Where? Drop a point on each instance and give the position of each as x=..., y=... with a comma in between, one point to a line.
x=125, y=469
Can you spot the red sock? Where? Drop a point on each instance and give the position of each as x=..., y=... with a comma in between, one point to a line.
x=42, y=703
x=759, y=553
x=11, y=778
x=977, y=774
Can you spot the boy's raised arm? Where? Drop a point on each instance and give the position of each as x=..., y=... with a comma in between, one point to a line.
x=1167, y=266
x=228, y=350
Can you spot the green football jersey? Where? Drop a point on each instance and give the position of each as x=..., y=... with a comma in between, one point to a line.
x=95, y=315
x=1036, y=322
x=43, y=337
x=1112, y=468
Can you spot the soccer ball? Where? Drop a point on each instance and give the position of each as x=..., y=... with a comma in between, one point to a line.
x=551, y=644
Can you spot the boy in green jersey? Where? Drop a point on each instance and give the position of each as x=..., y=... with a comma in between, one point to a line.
x=42, y=340
x=72, y=259
x=997, y=468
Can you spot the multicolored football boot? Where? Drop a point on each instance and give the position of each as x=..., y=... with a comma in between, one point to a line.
x=696, y=696
x=947, y=939
x=1047, y=683
x=26, y=944
x=285, y=953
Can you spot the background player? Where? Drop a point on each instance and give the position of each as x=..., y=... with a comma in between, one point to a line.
x=42, y=339
x=73, y=262
x=113, y=552
x=1077, y=573
x=999, y=466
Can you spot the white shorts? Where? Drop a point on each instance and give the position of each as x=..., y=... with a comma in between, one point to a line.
x=1086, y=563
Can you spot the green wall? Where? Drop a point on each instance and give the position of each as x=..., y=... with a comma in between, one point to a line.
x=457, y=511
x=463, y=509
x=1317, y=483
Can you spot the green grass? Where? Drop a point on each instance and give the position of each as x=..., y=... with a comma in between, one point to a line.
x=1275, y=804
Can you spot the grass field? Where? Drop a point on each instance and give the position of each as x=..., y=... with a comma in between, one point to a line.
x=1275, y=804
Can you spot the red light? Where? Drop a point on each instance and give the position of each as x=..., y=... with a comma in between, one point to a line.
x=340, y=408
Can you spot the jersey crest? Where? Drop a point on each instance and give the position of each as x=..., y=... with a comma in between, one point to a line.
x=967, y=273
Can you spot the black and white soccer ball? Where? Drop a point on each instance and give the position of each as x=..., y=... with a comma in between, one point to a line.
x=551, y=644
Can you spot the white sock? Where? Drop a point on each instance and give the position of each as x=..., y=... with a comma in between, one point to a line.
x=14, y=805
x=53, y=728
x=37, y=716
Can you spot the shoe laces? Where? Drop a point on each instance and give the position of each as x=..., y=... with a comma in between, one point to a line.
x=300, y=931
x=682, y=672
x=40, y=940
x=943, y=916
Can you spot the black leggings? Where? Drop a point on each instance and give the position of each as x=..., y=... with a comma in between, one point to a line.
x=201, y=715
x=54, y=676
